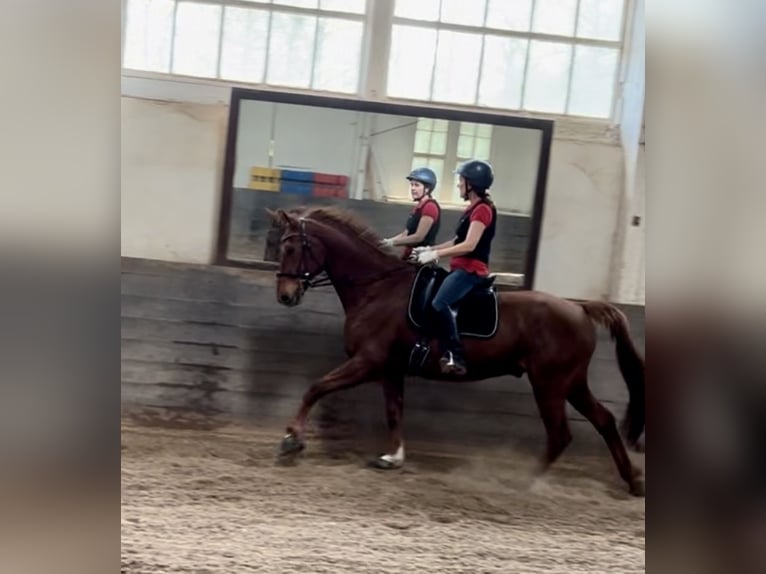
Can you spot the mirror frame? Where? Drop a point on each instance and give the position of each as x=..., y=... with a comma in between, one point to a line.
x=377, y=107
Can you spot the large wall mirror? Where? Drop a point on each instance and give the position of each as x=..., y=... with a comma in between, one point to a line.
x=288, y=150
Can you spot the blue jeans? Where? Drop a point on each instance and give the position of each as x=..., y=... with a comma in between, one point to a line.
x=456, y=286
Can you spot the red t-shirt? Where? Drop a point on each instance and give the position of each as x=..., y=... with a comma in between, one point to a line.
x=482, y=213
x=427, y=210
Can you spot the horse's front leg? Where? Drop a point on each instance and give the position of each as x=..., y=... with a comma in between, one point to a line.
x=350, y=374
x=393, y=389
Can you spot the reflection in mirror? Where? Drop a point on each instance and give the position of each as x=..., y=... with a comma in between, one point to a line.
x=288, y=155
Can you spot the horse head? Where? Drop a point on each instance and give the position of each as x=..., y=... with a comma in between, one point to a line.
x=301, y=256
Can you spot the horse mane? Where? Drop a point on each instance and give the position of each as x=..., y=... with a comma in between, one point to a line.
x=352, y=223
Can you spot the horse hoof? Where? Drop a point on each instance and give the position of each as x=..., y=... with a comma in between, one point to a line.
x=291, y=444
x=384, y=464
x=638, y=487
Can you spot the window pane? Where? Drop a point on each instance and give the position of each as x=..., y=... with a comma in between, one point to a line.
x=148, y=34
x=509, y=14
x=355, y=6
x=593, y=78
x=465, y=146
x=417, y=9
x=462, y=12
x=425, y=124
x=243, y=48
x=554, y=17
x=291, y=49
x=484, y=130
x=409, y=71
x=547, y=77
x=481, y=148
x=422, y=141
x=298, y=3
x=438, y=143
x=457, y=67
x=339, y=46
x=467, y=128
x=195, y=50
x=437, y=165
x=502, y=73
x=441, y=125
x=600, y=19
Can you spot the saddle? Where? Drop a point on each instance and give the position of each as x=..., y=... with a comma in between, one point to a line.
x=477, y=315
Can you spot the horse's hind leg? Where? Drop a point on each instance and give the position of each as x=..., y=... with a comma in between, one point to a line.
x=581, y=399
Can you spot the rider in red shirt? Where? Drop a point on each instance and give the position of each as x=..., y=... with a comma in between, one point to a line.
x=423, y=223
x=469, y=250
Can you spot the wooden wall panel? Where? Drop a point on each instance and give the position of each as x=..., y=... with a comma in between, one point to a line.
x=215, y=340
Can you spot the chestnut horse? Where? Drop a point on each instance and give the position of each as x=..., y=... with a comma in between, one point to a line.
x=550, y=339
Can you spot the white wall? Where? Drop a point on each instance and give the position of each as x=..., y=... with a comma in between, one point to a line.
x=515, y=156
x=302, y=136
x=325, y=141
x=584, y=186
x=172, y=164
x=627, y=283
x=391, y=142
x=253, y=136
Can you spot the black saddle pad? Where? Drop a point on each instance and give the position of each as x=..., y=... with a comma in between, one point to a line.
x=477, y=314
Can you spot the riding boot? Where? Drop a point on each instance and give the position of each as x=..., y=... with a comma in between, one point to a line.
x=452, y=361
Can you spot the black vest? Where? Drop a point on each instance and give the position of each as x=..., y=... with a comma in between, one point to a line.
x=414, y=220
x=481, y=251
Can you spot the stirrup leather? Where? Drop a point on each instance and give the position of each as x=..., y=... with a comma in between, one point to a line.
x=418, y=355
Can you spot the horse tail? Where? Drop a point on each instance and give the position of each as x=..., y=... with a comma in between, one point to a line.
x=631, y=364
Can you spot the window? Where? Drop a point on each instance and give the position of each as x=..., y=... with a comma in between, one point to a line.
x=439, y=143
x=291, y=43
x=558, y=57
x=431, y=146
x=550, y=56
x=474, y=142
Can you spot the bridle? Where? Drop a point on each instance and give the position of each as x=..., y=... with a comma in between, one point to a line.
x=302, y=273
x=308, y=278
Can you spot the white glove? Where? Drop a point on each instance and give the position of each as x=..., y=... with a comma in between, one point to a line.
x=416, y=250
x=427, y=256
x=387, y=242
x=413, y=256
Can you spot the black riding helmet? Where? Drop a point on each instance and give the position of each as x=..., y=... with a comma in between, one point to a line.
x=478, y=173
x=425, y=176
